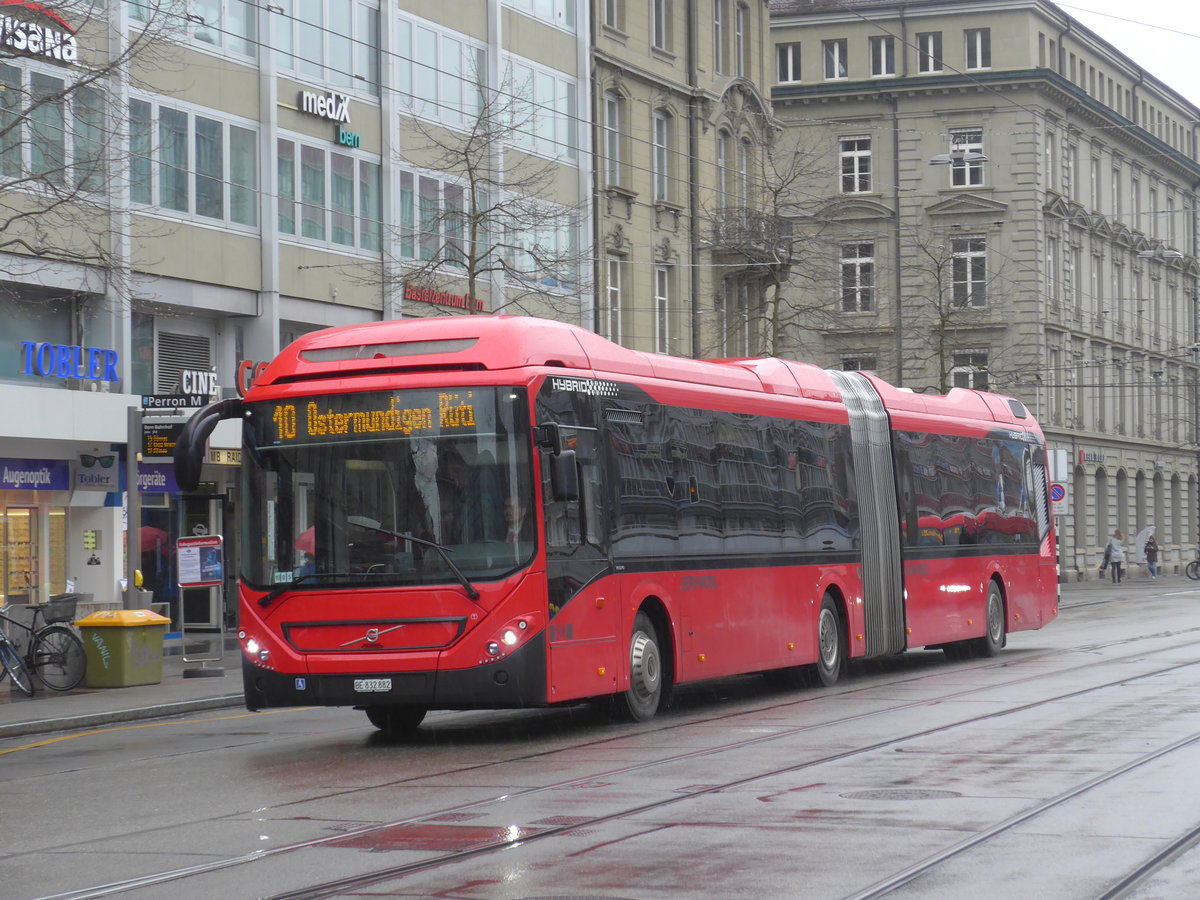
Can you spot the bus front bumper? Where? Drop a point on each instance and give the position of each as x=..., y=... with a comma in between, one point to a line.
x=518, y=680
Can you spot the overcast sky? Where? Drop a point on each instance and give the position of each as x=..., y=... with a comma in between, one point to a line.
x=1161, y=36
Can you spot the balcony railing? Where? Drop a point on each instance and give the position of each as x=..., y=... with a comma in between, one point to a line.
x=740, y=229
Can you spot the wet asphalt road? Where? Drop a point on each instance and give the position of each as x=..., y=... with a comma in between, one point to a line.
x=1063, y=768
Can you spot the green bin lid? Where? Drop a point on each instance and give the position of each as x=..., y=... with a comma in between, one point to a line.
x=122, y=618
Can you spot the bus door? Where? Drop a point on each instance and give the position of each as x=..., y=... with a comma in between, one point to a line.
x=584, y=608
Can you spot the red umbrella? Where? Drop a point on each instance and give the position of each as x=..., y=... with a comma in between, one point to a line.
x=153, y=539
x=307, y=542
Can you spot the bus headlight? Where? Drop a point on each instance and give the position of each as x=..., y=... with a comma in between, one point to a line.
x=510, y=636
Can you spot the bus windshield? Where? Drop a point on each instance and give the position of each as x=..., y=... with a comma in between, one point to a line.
x=334, y=486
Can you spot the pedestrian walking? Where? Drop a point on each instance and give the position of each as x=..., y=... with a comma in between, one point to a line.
x=1152, y=556
x=1115, y=553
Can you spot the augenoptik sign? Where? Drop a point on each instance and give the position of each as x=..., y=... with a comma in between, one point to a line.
x=34, y=30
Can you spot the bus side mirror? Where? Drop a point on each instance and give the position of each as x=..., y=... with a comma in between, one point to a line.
x=564, y=475
x=549, y=436
x=191, y=446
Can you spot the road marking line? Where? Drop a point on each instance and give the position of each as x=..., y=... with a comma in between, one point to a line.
x=71, y=737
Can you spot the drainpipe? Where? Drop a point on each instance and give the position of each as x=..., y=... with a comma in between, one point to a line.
x=693, y=181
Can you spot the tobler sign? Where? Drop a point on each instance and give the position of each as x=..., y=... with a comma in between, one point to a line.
x=31, y=29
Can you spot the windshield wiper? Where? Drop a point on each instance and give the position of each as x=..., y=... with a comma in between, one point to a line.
x=445, y=553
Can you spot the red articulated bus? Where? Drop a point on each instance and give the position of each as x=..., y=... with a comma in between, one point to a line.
x=500, y=511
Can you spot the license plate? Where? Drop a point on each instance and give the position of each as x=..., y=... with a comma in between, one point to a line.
x=372, y=685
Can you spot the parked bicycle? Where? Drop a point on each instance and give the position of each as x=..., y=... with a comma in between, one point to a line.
x=1192, y=570
x=54, y=654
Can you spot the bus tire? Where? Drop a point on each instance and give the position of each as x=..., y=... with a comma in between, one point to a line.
x=395, y=721
x=994, y=636
x=831, y=644
x=639, y=702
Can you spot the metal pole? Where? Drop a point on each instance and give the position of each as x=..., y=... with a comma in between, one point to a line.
x=133, y=507
x=897, y=270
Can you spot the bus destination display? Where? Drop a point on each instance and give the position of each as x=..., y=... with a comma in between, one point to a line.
x=352, y=416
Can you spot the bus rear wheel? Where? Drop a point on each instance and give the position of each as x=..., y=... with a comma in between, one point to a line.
x=993, y=639
x=395, y=721
x=831, y=644
x=639, y=702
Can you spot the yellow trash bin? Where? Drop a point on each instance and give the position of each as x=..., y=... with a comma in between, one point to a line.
x=124, y=647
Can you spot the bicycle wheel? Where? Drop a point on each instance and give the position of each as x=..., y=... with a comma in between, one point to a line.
x=1193, y=570
x=58, y=658
x=16, y=668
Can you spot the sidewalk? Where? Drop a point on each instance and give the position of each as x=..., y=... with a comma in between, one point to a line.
x=85, y=707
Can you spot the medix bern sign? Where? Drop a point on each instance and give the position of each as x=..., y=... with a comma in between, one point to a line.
x=55, y=39
x=335, y=107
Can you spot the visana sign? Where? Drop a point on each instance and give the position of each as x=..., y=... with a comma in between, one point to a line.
x=335, y=107
x=38, y=40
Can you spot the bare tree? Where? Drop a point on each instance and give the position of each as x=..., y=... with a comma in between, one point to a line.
x=952, y=289
x=63, y=123
x=491, y=215
x=772, y=234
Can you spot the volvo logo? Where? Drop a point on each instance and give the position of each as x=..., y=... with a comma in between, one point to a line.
x=372, y=635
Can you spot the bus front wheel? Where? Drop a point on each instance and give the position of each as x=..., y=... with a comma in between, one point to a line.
x=831, y=643
x=395, y=721
x=639, y=702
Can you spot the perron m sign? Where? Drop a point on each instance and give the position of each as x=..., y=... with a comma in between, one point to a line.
x=36, y=31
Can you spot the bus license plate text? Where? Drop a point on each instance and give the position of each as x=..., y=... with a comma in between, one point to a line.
x=372, y=685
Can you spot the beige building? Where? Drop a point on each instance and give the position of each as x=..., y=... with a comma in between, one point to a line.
x=1019, y=197
x=202, y=182
x=681, y=116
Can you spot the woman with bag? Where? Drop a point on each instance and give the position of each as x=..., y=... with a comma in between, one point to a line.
x=1114, y=553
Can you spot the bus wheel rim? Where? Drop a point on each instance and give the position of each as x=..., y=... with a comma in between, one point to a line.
x=827, y=635
x=644, y=669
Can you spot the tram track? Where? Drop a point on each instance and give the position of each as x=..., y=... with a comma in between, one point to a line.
x=335, y=888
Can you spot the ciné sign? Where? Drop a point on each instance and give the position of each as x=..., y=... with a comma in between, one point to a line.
x=28, y=37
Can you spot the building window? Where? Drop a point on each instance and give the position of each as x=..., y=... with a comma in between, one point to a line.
x=335, y=42
x=226, y=24
x=440, y=75
x=969, y=271
x=883, y=55
x=745, y=165
x=929, y=52
x=720, y=35
x=979, y=48
x=834, y=55
x=193, y=164
x=614, y=14
x=662, y=309
x=788, y=58
x=858, y=277
x=725, y=185
x=661, y=136
x=327, y=196
x=1052, y=279
x=660, y=24
x=51, y=131
x=859, y=362
x=856, y=164
x=964, y=172
x=612, y=139
x=611, y=315
x=556, y=12
x=544, y=110
x=969, y=369
x=741, y=40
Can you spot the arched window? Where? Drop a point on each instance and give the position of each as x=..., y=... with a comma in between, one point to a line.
x=612, y=139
